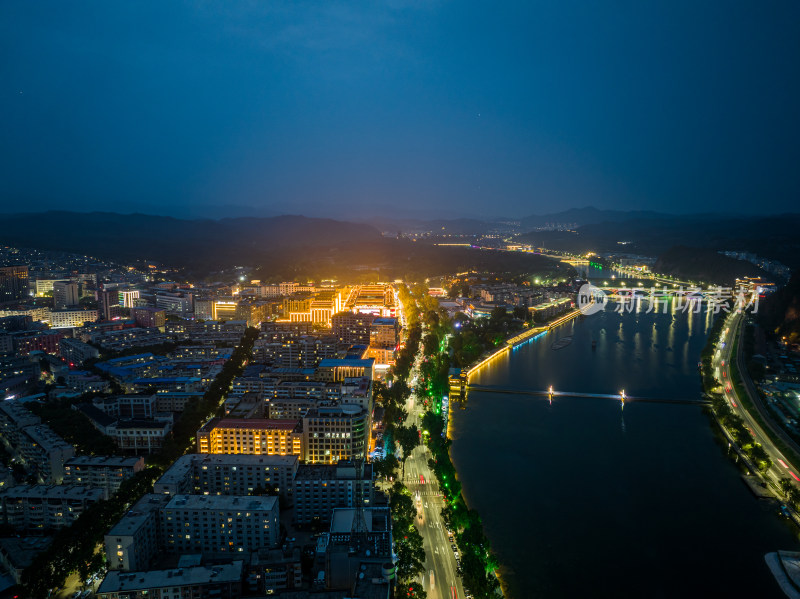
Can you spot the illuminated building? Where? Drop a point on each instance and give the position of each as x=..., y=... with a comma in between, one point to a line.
x=108, y=304
x=383, y=332
x=225, y=310
x=220, y=525
x=372, y=299
x=257, y=436
x=334, y=433
x=70, y=319
x=339, y=370
x=127, y=297
x=44, y=286
x=288, y=288
x=13, y=283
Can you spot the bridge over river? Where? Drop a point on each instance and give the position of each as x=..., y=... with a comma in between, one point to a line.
x=551, y=393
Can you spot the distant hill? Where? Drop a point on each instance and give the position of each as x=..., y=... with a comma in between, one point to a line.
x=591, y=215
x=705, y=265
x=773, y=237
x=210, y=243
x=458, y=226
x=282, y=247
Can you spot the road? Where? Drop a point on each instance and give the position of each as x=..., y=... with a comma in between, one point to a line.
x=721, y=361
x=440, y=578
x=440, y=559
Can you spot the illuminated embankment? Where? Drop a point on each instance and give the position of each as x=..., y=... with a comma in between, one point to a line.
x=519, y=339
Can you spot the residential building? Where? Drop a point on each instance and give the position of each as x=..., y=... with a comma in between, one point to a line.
x=352, y=327
x=134, y=541
x=76, y=352
x=318, y=489
x=43, y=508
x=65, y=294
x=18, y=553
x=219, y=525
x=103, y=472
x=383, y=332
x=222, y=581
x=228, y=474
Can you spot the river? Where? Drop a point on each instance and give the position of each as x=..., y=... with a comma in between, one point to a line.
x=584, y=499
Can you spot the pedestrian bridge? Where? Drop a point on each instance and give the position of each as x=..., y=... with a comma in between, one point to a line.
x=551, y=393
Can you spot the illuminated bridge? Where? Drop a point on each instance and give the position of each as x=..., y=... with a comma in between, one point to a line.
x=551, y=394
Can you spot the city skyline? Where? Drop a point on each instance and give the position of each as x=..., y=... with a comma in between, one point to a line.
x=423, y=109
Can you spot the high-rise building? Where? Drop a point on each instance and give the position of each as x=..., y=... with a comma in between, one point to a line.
x=13, y=283
x=352, y=327
x=335, y=433
x=65, y=294
x=127, y=297
x=108, y=304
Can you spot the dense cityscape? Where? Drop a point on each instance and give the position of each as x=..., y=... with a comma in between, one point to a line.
x=399, y=300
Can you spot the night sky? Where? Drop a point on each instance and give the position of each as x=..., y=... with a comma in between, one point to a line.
x=418, y=108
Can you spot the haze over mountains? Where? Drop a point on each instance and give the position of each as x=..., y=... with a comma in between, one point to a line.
x=255, y=240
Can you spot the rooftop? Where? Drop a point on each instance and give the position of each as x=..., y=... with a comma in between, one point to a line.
x=138, y=515
x=223, y=502
x=252, y=424
x=127, y=582
x=54, y=492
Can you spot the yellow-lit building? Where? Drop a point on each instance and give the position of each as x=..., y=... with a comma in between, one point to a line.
x=252, y=436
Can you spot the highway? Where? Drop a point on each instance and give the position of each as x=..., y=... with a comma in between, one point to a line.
x=722, y=359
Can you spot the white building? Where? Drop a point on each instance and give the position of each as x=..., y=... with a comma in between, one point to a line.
x=69, y=319
x=132, y=542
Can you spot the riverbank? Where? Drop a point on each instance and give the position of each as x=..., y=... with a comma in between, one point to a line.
x=518, y=339
x=511, y=342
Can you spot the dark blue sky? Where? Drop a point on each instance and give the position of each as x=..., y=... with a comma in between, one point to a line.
x=460, y=108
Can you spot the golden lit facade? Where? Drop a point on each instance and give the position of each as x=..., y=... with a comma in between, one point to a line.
x=252, y=436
